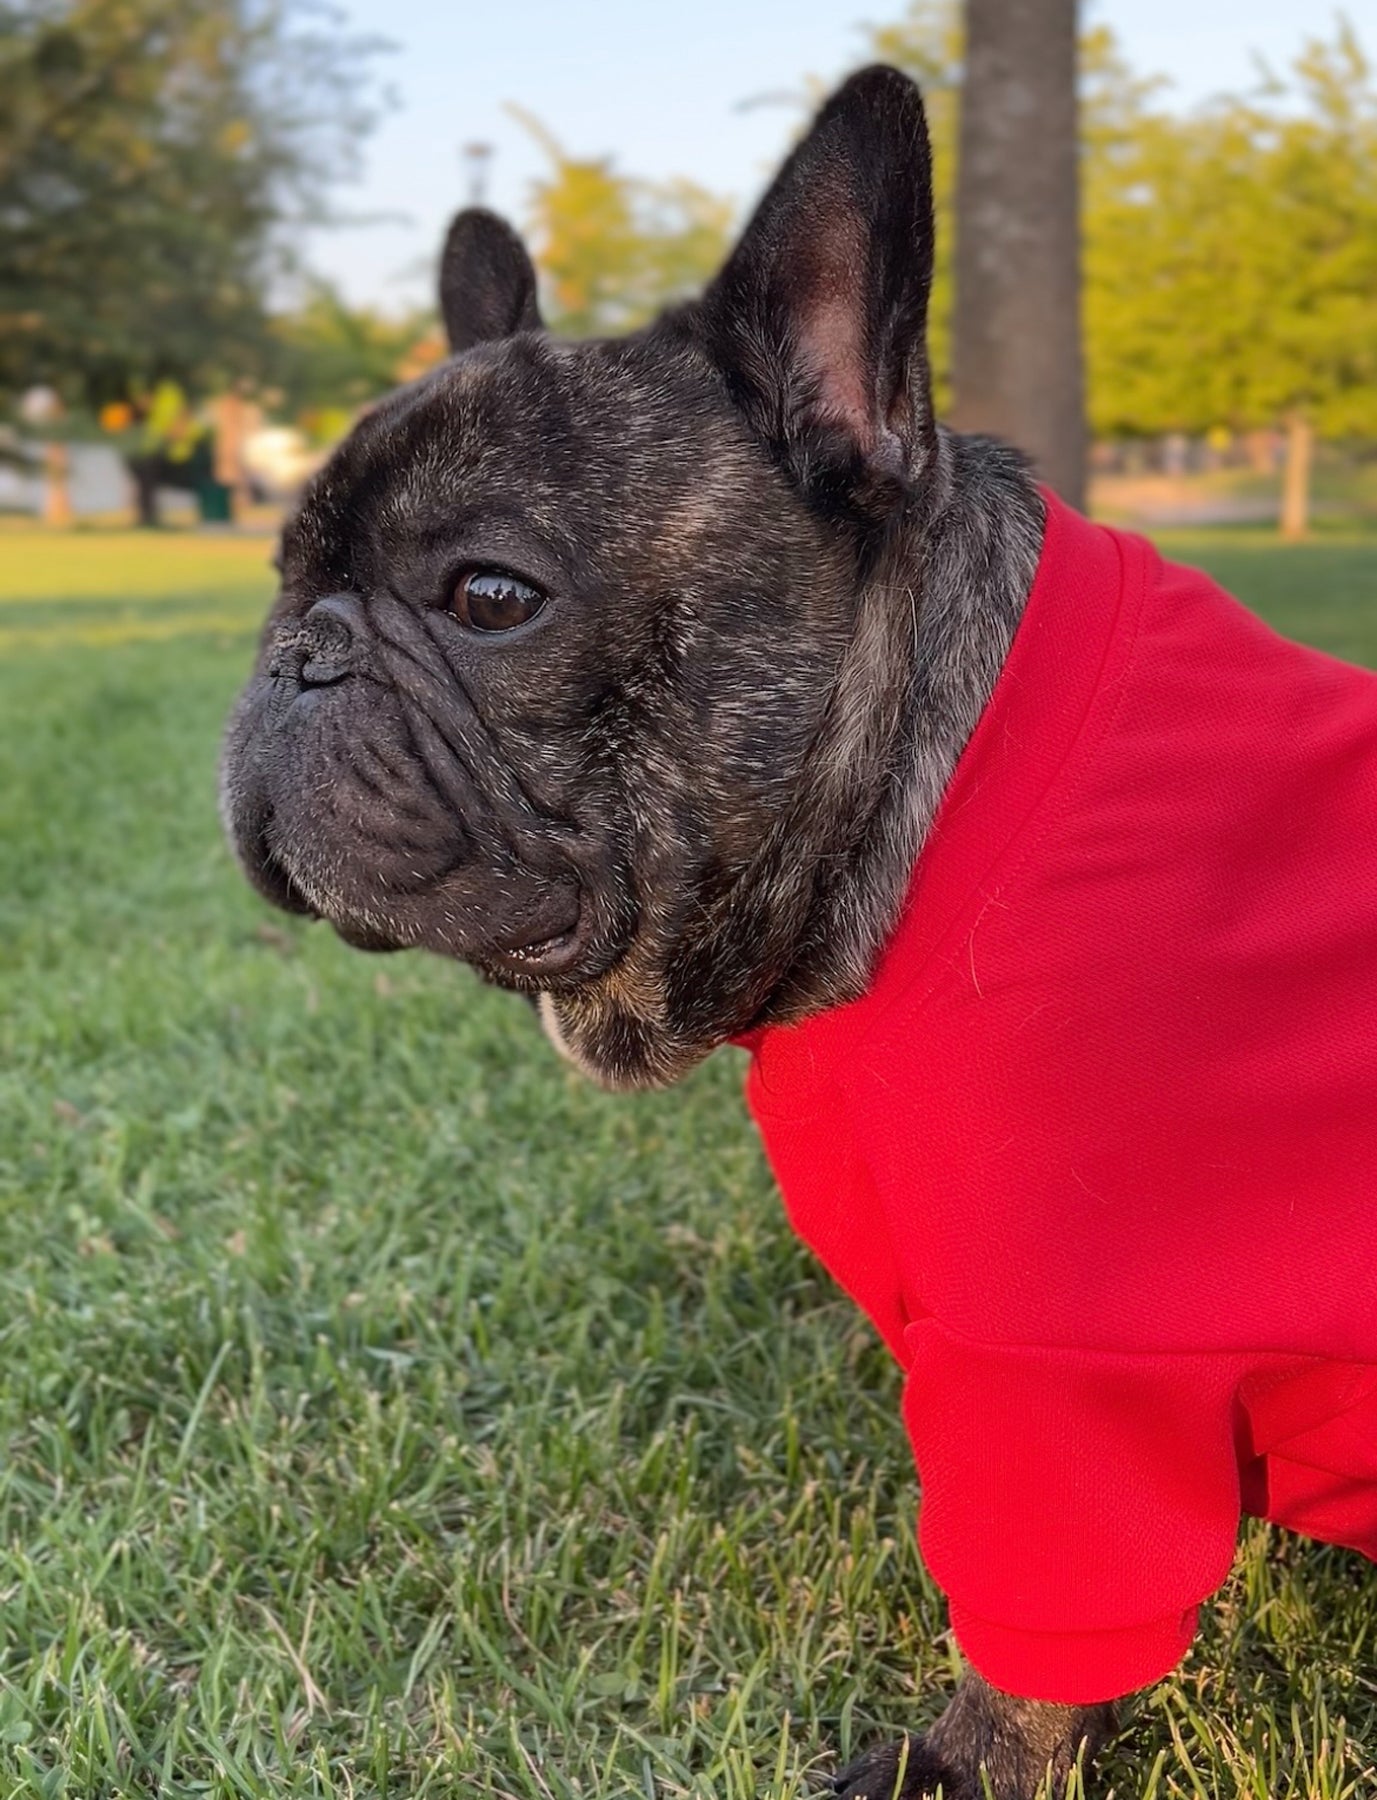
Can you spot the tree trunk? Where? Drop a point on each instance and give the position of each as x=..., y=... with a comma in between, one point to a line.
x=57, y=493
x=144, y=473
x=1295, y=485
x=1016, y=348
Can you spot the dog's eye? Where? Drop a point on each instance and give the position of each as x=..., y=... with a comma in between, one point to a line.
x=492, y=600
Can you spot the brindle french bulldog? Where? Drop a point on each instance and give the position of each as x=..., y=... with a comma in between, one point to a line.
x=632, y=671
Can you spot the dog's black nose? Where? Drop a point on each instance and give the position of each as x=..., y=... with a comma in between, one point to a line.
x=331, y=635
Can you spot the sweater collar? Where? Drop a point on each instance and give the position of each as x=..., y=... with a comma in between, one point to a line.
x=1069, y=647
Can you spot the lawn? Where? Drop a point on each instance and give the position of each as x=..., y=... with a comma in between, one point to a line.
x=387, y=1413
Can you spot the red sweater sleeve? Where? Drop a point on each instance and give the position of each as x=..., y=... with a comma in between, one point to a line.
x=1077, y=1505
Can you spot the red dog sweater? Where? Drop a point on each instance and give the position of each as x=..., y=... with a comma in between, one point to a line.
x=1098, y=1149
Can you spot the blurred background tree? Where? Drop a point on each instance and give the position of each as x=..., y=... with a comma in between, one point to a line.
x=613, y=249
x=929, y=43
x=332, y=358
x=1232, y=264
x=157, y=155
x=1017, y=366
x=1229, y=253
x=152, y=155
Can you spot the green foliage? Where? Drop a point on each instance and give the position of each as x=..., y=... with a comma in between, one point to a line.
x=928, y=44
x=1231, y=258
x=385, y=1411
x=1230, y=253
x=151, y=153
x=332, y=357
x=614, y=249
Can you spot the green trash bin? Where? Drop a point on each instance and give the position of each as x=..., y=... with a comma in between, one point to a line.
x=213, y=499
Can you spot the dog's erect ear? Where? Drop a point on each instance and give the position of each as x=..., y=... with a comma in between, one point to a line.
x=818, y=317
x=487, y=282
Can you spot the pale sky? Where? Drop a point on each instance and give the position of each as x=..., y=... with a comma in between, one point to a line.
x=661, y=88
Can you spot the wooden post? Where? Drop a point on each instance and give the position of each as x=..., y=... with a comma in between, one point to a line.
x=57, y=492
x=235, y=418
x=1295, y=487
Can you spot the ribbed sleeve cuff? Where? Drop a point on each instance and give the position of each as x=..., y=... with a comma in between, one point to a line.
x=1073, y=1668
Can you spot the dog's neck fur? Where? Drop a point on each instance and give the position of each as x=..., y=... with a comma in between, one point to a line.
x=802, y=928
x=949, y=592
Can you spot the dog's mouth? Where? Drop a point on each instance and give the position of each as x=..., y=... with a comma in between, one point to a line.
x=526, y=955
x=556, y=944
x=550, y=920
x=537, y=953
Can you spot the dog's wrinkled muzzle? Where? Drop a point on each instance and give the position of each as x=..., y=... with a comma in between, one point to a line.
x=359, y=785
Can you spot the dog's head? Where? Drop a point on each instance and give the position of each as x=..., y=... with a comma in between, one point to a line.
x=568, y=673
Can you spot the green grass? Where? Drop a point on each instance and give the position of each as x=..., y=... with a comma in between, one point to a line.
x=384, y=1412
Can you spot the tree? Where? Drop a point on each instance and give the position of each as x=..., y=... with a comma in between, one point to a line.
x=1016, y=349
x=152, y=153
x=1232, y=265
x=333, y=358
x=614, y=249
x=928, y=43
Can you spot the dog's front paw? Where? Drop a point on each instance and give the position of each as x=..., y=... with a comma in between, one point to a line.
x=987, y=1745
x=907, y=1770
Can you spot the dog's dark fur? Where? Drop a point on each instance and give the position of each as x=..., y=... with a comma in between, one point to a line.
x=685, y=799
